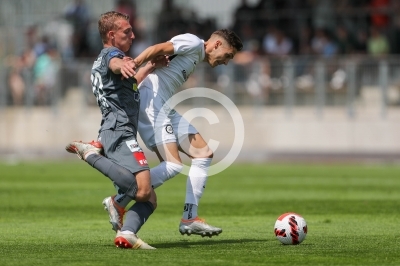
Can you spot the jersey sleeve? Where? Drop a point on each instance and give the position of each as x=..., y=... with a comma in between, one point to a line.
x=112, y=53
x=186, y=43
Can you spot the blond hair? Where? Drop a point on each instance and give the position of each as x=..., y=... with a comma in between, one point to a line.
x=107, y=23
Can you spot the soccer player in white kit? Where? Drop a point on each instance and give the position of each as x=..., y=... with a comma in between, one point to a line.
x=172, y=133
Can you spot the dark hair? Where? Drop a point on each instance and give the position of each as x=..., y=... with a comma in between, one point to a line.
x=231, y=37
x=107, y=23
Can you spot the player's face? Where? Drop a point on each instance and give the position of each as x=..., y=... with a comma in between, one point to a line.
x=123, y=36
x=221, y=54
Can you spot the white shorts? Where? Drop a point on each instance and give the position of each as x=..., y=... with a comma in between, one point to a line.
x=155, y=127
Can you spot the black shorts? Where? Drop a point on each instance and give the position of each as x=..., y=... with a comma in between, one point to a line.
x=122, y=148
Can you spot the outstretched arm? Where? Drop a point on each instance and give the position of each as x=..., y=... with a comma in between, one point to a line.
x=159, y=61
x=121, y=66
x=165, y=48
x=142, y=73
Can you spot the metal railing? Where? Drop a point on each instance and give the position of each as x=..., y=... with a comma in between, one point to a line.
x=265, y=81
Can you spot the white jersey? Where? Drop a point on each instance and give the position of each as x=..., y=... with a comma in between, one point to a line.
x=188, y=52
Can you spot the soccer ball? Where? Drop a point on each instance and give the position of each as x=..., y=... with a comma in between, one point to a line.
x=290, y=228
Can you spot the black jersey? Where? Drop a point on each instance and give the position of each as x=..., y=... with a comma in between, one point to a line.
x=117, y=98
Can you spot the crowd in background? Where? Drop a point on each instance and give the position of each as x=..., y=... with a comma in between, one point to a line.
x=322, y=27
x=268, y=27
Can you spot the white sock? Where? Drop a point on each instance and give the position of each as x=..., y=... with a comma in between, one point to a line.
x=195, y=184
x=163, y=172
x=127, y=232
x=189, y=211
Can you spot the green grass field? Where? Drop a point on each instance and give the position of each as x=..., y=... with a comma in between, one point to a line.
x=51, y=214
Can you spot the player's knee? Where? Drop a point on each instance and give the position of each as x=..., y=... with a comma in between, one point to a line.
x=209, y=154
x=204, y=153
x=143, y=195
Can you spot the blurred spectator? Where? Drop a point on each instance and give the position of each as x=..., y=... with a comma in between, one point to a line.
x=324, y=15
x=45, y=72
x=377, y=43
x=19, y=78
x=379, y=13
x=127, y=7
x=290, y=21
x=305, y=37
x=77, y=13
x=248, y=37
x=206, y=27
x=170, y=21
x=93, y=38
x=19, y=71
x=59, y=32
x=243, y=15
x=173, y=21
x=276, y=43
x=395, y=40
x=360, y=43
x=139, y=44
x=322, y=43
x=15, y=80
x=34, y=42
x=345, y=42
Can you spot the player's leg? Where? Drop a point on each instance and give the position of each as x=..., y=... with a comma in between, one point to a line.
x=197, y=149
x=156, y=130
x=136, y=216
x=122, y=177
x=192, y=144
x=201, y=155
x=158, y=175
x=140, y=211
x=170, y=164
x=125, y=150
x=157, y=133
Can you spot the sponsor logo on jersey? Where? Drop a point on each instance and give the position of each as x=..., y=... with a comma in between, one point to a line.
x=169, y=129
x=116, y=54
x=133, y=145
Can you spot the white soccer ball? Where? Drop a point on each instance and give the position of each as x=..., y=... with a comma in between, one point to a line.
x=290, y=228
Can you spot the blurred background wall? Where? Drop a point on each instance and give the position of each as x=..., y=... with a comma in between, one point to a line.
x=317, y=80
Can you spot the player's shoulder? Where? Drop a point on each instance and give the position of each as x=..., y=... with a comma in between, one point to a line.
x=105, y=56
x=187, y=37
x=108, y=53
x=113, y=52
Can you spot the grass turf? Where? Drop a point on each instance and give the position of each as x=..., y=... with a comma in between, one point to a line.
x=51, y=214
